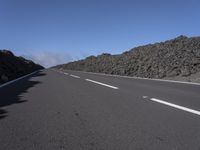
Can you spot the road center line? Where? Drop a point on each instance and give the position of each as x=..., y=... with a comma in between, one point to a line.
x=176, y=106
x=144, y=96
x=110, y=86
x=74, y=76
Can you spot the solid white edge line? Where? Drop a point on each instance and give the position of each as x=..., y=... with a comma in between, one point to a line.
x=176, y=106
x=140, y=78
x=74, y=76
x=110, y=86
x=9, y=82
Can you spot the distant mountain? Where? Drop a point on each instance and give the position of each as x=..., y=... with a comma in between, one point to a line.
x=12, y=67
x=179, y=57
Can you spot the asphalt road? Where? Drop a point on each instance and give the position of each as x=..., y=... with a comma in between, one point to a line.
x=52, y=110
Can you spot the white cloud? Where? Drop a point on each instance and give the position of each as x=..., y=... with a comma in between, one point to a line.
x=49, y=59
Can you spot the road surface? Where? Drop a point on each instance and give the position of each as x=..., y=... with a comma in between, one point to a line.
x=82, y=111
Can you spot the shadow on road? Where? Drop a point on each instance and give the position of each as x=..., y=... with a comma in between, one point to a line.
x=11, y=94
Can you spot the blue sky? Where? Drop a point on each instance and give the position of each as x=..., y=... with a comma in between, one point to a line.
x=57, y=31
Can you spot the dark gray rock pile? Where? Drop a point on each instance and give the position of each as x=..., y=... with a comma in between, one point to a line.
x=176, y=57
x=12, y=67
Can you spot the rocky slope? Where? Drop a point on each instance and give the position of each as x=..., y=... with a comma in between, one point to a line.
x=177, y=58
x=12, y=67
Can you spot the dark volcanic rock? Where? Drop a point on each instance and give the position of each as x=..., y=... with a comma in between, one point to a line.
x=12, y=67
x=177, y=57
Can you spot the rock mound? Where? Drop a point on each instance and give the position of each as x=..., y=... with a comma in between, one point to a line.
x=176, y=57
x=12, y=67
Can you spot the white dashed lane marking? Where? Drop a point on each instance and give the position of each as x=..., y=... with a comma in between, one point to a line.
x=74, y=76
x=176, y=106
x=107, y=85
